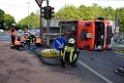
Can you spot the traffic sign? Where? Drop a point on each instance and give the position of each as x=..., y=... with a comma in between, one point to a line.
x=59, y=43
x=39, y=2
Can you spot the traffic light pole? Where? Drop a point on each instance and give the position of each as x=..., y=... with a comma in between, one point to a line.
x=46, y=16
x=48, y=25
x=41, y=21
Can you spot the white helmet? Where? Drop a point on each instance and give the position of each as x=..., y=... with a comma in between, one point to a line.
x=18, y=34
x=13, y=24
x=71, y=41
x=26, y=33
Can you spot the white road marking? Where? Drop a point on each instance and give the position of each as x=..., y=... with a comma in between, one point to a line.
x=120, y=56
x=96, y=73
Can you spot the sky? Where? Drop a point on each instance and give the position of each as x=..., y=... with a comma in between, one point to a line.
x=20, y=8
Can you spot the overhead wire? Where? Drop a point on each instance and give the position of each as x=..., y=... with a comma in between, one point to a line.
x=16, y=5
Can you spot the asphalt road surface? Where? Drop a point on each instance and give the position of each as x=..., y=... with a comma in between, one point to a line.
x=103, y=64
x=25, y=67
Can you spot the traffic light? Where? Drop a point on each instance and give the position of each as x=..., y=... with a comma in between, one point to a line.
x=47, y=12
x=50, y=12
x=44, y=12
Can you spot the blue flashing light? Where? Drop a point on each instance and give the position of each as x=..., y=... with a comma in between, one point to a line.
x=87, y=24
x=86, y=46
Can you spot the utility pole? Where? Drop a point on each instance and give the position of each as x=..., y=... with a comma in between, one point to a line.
x=28, y=16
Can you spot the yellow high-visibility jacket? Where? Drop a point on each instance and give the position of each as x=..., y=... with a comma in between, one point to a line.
x=69, y=55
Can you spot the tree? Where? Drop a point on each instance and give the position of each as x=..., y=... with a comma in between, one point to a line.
x=1, y=15
x=109, y=13
x=67, y=12
x=85, y=12
x=2, y=19
x=121, y=17
x=37, y=20
x=8, y=20
x=70, y=12
x=82, y=9
x=34, y=21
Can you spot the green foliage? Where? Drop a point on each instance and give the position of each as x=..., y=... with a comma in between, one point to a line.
x=34, y=21
x=68, y=12
x=121, y=17
x=71, y=12
x=84, y=12
x=1, y=15
x=8, y=20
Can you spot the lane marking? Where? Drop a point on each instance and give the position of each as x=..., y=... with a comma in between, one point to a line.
x=120, y=56
x=96, y=73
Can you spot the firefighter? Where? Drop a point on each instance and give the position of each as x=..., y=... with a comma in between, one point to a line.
x=38, y=41
x=70, y=54
x=18, y=41
x=25, y=37
x=12, y=34
x=26, y=30
x=26, y=34
x=30, y=40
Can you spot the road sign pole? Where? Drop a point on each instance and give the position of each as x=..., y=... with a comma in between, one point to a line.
x=39, y=2
x=48, y=25
x=60, y=31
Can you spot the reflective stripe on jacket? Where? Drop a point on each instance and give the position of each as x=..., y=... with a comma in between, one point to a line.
x=68, y=54
x=38, y=40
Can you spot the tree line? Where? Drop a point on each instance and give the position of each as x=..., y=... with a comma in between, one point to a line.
x=5, y=20
x=70, y=12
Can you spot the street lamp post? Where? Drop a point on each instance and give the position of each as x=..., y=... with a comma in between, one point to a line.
x=28, y=16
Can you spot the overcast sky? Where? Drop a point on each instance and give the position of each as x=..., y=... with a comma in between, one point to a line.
x=19, y=8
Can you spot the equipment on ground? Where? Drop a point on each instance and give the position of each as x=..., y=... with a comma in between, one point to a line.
x=50, y=53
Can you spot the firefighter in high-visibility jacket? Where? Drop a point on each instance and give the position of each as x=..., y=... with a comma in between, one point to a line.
x=18, y=43
x=12, y=34
x=70, y=54
x=37, y=41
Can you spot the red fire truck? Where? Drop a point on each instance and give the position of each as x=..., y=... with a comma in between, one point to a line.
x=89, y=34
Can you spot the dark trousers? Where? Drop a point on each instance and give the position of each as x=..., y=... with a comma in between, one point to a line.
x=73, y=63
x=12, y=39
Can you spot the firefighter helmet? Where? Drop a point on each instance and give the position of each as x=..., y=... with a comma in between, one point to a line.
x=71, y=41
x=13, y=24
x=18, y=34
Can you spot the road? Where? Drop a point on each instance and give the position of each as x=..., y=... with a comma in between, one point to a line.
x=4, y=37
x=104, y=63
x=25, y=67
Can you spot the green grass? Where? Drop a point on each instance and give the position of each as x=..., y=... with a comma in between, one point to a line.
x=119, y=50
